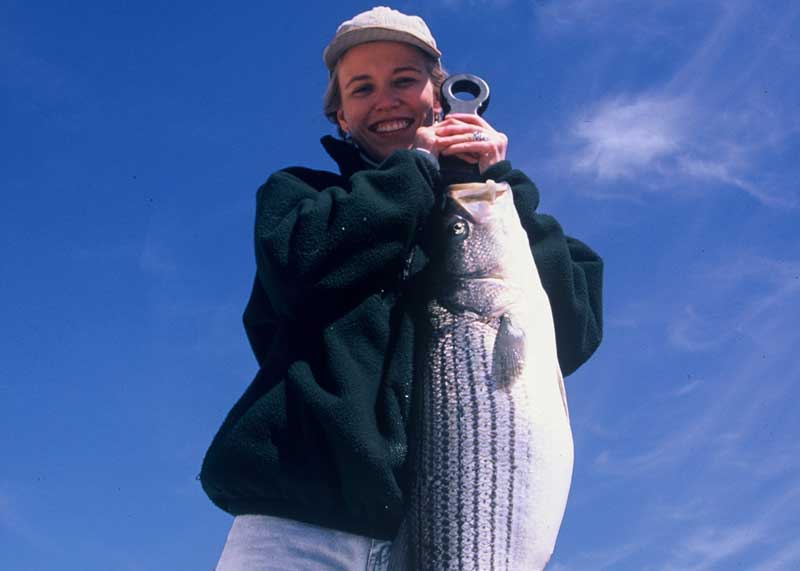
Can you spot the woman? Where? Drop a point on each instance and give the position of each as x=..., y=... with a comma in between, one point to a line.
x=312, y=458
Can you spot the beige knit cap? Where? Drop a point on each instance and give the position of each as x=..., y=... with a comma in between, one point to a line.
x=380, y=24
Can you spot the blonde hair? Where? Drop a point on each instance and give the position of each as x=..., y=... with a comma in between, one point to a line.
x=332, y=100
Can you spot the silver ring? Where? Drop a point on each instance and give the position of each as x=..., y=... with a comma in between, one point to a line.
x=479, y=136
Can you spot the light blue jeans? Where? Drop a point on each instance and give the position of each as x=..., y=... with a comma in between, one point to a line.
x=265, y=543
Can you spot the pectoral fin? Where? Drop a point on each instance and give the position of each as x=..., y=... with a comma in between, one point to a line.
x=509, y=352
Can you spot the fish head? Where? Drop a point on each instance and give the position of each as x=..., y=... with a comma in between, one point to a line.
x=480, y=232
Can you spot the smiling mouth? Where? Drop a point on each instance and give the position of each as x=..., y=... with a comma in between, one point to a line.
x=391, y=126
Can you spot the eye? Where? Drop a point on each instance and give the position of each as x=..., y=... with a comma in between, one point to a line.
x=363, y=89
x=459, y=229
x=405, y=81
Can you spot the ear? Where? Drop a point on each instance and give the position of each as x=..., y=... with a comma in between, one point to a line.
x=342, y=121
x=437, y=103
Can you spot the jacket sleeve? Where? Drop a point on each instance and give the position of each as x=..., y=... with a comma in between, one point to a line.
x=321, y=247
x=571, y=273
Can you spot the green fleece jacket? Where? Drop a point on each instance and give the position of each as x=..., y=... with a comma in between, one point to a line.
x=320, y=435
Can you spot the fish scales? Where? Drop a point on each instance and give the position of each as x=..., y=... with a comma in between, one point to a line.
x=494, y=458
x=471, y=423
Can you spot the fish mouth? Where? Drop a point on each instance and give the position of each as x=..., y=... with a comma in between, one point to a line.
x=391, y=126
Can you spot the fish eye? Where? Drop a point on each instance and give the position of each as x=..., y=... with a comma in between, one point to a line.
x=459, y=229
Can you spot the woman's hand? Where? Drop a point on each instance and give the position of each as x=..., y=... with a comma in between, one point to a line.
x=470, y=138
x=426, y=139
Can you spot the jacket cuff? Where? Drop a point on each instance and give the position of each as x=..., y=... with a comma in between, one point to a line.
x=428, y=156
x=497, y=170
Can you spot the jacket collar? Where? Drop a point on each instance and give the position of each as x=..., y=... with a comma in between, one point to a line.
x=346, y=155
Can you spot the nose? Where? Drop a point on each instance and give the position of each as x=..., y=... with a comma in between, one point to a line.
x=387, y=98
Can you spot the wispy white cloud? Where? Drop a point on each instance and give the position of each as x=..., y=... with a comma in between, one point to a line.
x=710, y=123
x=711, y=542
x=767, y=285
x=676, y=142
x=748, y=302
x=708, y=546
x=621, y=138
x=727, y=435
x=667, y=448
x=691, y=331
x=784, y=557
x=686, y=389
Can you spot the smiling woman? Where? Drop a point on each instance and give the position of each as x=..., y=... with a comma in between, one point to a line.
x=387, y=95
x=312, y=460
x=333, y=99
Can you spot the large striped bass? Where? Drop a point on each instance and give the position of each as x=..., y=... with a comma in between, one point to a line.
x=493, y=457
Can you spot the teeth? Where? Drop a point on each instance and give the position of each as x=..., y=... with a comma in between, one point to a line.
x=388, y=126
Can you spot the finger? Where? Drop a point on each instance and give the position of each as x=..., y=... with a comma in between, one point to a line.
x=458, y=129
x=474, y=147
x=451, y=123
x=471, y=119
x=493, y=139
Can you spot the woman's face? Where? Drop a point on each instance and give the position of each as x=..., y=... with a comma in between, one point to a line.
x=386, y=95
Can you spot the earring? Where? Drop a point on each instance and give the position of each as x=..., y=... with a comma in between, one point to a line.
x=437, y=116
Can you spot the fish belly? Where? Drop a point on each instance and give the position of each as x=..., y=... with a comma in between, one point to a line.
x=494, y=459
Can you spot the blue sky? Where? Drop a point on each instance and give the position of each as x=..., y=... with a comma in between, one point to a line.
x=664, y=134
